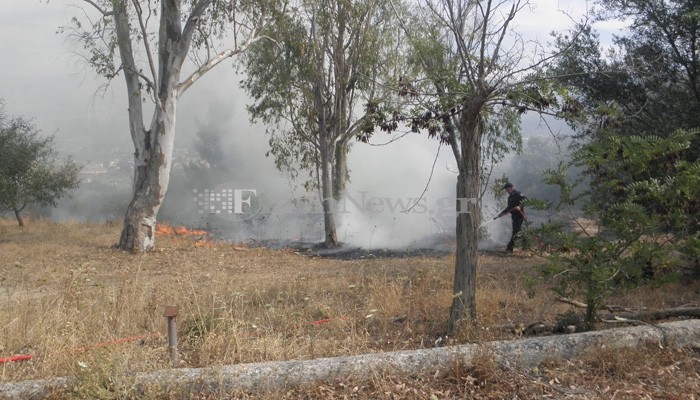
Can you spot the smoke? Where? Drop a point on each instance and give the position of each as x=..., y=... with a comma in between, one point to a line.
x=223, y=166
x=396, y=198
x=386, y=181
x=384, y=206
x=42, y=80
x=545, y=146
x=399, y=195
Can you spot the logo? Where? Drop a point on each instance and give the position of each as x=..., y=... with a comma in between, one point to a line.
x=368, y=204
x=230, y=201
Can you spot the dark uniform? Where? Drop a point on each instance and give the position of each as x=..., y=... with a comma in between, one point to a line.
x=515, y=199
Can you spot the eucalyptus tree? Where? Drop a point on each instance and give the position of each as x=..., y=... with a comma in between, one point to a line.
x=162, y=48
x=473, y=78
x=313, y=87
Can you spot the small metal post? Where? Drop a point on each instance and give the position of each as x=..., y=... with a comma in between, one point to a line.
x=171, y=314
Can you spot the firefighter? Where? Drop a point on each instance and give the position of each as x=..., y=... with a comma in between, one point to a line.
x=516, y=211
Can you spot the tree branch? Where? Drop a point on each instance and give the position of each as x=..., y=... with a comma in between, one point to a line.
x=427, y=184
x=191, y=25
x=100, y=9
x=146, y=44
x=121, y=22
x=228, y=53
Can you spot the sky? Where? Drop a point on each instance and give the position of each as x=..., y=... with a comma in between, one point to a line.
x=43, y=78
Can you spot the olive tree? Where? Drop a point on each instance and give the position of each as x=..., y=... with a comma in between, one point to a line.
x=29, y=170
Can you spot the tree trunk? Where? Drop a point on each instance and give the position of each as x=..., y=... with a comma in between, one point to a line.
x=20, y=221
x=151, y=178
x=468, y=216
x=331, y=238
x=153, y=147
x=340, y=172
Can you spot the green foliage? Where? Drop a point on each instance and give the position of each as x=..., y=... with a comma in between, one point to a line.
x=646, y=83
x=99, y=44
x=650, y=178
x=29, y=172
x=648, y=234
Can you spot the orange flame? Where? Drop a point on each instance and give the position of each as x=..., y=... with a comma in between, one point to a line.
x=164, y=229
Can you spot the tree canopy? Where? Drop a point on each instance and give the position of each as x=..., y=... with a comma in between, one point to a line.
x=638, y=144
x=649, y=79
x=645, y=87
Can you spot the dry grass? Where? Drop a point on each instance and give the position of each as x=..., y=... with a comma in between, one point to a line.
x=655, y=374
x=65, y=294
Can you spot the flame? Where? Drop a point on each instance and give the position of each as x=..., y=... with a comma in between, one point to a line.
x=164, y=229
x=199, y=236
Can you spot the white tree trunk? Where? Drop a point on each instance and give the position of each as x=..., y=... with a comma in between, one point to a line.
x=151, y=177
x=153, y=147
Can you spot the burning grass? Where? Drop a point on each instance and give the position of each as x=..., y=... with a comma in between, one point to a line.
x=165, y=229
x=69, y=299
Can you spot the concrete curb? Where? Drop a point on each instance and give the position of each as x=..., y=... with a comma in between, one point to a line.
x=269, y=376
